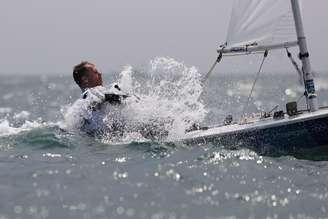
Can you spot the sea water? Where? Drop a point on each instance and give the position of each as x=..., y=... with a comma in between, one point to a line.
x=49, y=170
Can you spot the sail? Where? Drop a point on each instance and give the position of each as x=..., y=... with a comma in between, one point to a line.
x=261, y=22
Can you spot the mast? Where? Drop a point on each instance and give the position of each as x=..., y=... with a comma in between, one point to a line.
x=311, y=96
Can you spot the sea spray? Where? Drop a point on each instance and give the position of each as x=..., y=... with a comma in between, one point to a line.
x=164, y=102
x=169, y=97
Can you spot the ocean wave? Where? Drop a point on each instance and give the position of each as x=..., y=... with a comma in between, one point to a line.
x=17, y=131
x=7, y=129
x=40, y=137
x=46, y=138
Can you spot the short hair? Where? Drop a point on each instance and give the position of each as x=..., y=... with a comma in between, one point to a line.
x=79, y=71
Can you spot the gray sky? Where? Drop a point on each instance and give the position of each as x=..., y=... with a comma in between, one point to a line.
x=50, y=36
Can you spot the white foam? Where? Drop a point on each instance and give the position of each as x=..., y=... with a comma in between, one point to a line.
x=72, y=119
x=168, y=99
x=6, y=129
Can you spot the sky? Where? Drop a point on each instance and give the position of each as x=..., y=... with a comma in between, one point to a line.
x=50, y=37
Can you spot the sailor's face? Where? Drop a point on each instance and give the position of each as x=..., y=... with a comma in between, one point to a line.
x=93, y=76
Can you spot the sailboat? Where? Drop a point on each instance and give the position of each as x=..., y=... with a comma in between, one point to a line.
x=260, y=26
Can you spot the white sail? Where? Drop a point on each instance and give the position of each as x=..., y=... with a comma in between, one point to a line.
x=261, y=22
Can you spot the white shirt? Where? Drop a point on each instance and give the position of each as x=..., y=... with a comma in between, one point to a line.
x=94, y=115
x=93, y=110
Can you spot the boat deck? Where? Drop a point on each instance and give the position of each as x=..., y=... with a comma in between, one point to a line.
x=252, y=124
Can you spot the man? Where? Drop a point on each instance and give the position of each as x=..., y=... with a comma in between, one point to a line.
x=97, y=105
x=99, y=109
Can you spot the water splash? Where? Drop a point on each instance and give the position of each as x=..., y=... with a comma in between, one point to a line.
x=169, y=97
x=165, y=101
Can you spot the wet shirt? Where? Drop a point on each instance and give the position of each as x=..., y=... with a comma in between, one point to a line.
x=98, y=111
x=93, y=110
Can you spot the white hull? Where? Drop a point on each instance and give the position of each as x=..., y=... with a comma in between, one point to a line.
x=299, y=134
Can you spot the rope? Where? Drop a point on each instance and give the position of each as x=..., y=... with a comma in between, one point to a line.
x=218, y=59
x=299, y=99
x=301, y=77
x=257, y=76
x=294, y=63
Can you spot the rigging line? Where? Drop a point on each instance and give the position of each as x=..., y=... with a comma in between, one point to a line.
x=218, y=59
x=253, y=86
x=294, y=63
x=299, y=99
x=301, y=76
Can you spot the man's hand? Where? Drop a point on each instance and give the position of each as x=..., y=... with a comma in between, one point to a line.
x=114, y=98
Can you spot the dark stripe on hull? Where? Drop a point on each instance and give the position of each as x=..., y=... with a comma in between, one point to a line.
x=307, y=139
